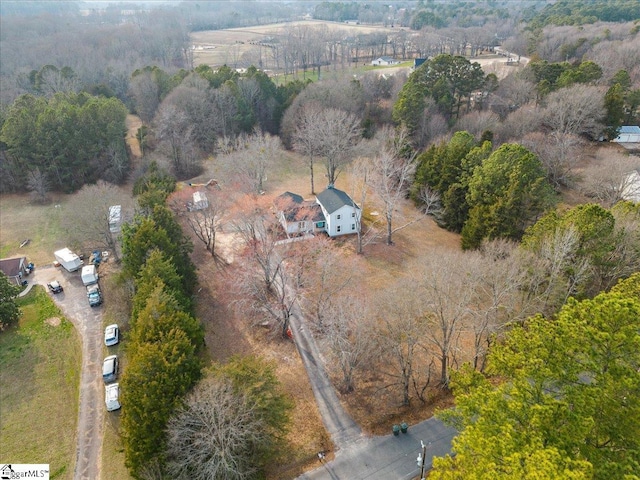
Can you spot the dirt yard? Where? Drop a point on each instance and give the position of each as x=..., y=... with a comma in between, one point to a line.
x=227, y=333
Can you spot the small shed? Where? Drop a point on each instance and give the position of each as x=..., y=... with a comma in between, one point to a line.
x=14, y=268
x=385, y=61
x=628, y=134
x=200, y=201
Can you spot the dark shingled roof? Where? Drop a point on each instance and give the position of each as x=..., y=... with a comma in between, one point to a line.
x=333, y=199
x=11, y=266
x=294, y=197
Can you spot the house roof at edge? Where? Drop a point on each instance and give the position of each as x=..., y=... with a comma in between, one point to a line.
x=333, y=199
x=11, y=266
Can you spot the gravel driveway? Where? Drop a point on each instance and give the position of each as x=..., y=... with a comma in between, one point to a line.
x=88, y=322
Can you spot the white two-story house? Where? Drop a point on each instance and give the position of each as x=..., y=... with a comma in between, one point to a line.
x=333, y=212
x=341, y=213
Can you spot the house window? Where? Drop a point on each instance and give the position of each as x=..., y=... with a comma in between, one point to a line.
x=338, y=228
x=338, y=217
x=353, y=214
x=353, y=226
x=302, y=225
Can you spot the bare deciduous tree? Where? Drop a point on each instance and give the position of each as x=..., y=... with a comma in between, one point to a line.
x=329, y=274
x=88, y=218
x=577, y=110
x=498, y=301
x=391, y=175
x=559, y=153
x=333, y=136
x=553, y=273
x=146, y=95
x=360, y=179
x=176, y=136
x=39, y=186
x=446, y=288
x=271, y=274
x=250, y=159
x=608, y=178
x=204, y=221
x=305, y=140
x=349, y=338
x=214, y=434
x=401, y=333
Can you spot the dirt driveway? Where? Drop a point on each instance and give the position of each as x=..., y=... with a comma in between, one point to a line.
x=88, y=322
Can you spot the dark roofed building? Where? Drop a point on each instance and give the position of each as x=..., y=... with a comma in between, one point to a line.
x=14, y=268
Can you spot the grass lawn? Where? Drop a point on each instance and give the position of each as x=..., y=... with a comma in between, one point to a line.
x=40, y=360
x=21, y=220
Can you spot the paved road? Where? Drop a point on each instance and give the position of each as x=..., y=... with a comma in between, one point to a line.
x=359, y=457
x=88, y=322
x=343, y=429
x=388, y=457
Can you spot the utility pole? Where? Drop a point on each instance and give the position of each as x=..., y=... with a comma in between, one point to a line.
x=422, y=459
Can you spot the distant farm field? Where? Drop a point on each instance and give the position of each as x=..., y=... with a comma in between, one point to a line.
x=240, y=48
x=227, y=47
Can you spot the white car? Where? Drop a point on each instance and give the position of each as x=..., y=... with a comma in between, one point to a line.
x=110, y=368
x=111, y=335
x=111, y=394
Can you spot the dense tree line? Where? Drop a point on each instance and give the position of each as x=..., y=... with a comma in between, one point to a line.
x=193, y=114
x=164, y=339
x=575, y=12
x=484, y=194
x=69, y=139
x=575, y=377
x=446, y=80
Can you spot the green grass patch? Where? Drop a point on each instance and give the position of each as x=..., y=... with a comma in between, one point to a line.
x=40, y=361
x=39, y=223
x=113, y=450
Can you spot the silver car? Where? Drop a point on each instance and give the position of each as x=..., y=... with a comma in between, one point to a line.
x=110, y=368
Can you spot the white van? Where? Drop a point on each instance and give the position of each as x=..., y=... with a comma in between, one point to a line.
x=111, y=394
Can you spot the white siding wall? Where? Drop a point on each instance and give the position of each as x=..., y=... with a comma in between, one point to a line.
x=344, y=218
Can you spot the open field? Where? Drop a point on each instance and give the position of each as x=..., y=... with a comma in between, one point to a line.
x=238, y=47
x=39, y=382
x=42, y=224
x=220, y=47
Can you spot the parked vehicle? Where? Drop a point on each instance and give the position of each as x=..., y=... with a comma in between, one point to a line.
x=115, y=212
x=89, y=275
x=55, y=287
x=110, y=368
x=111, y=397
x=69, y=260
x=94, y=295
x=111, y=335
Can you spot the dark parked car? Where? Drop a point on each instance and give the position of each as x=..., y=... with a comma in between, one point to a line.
x=94, y=295
x=55, y=287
